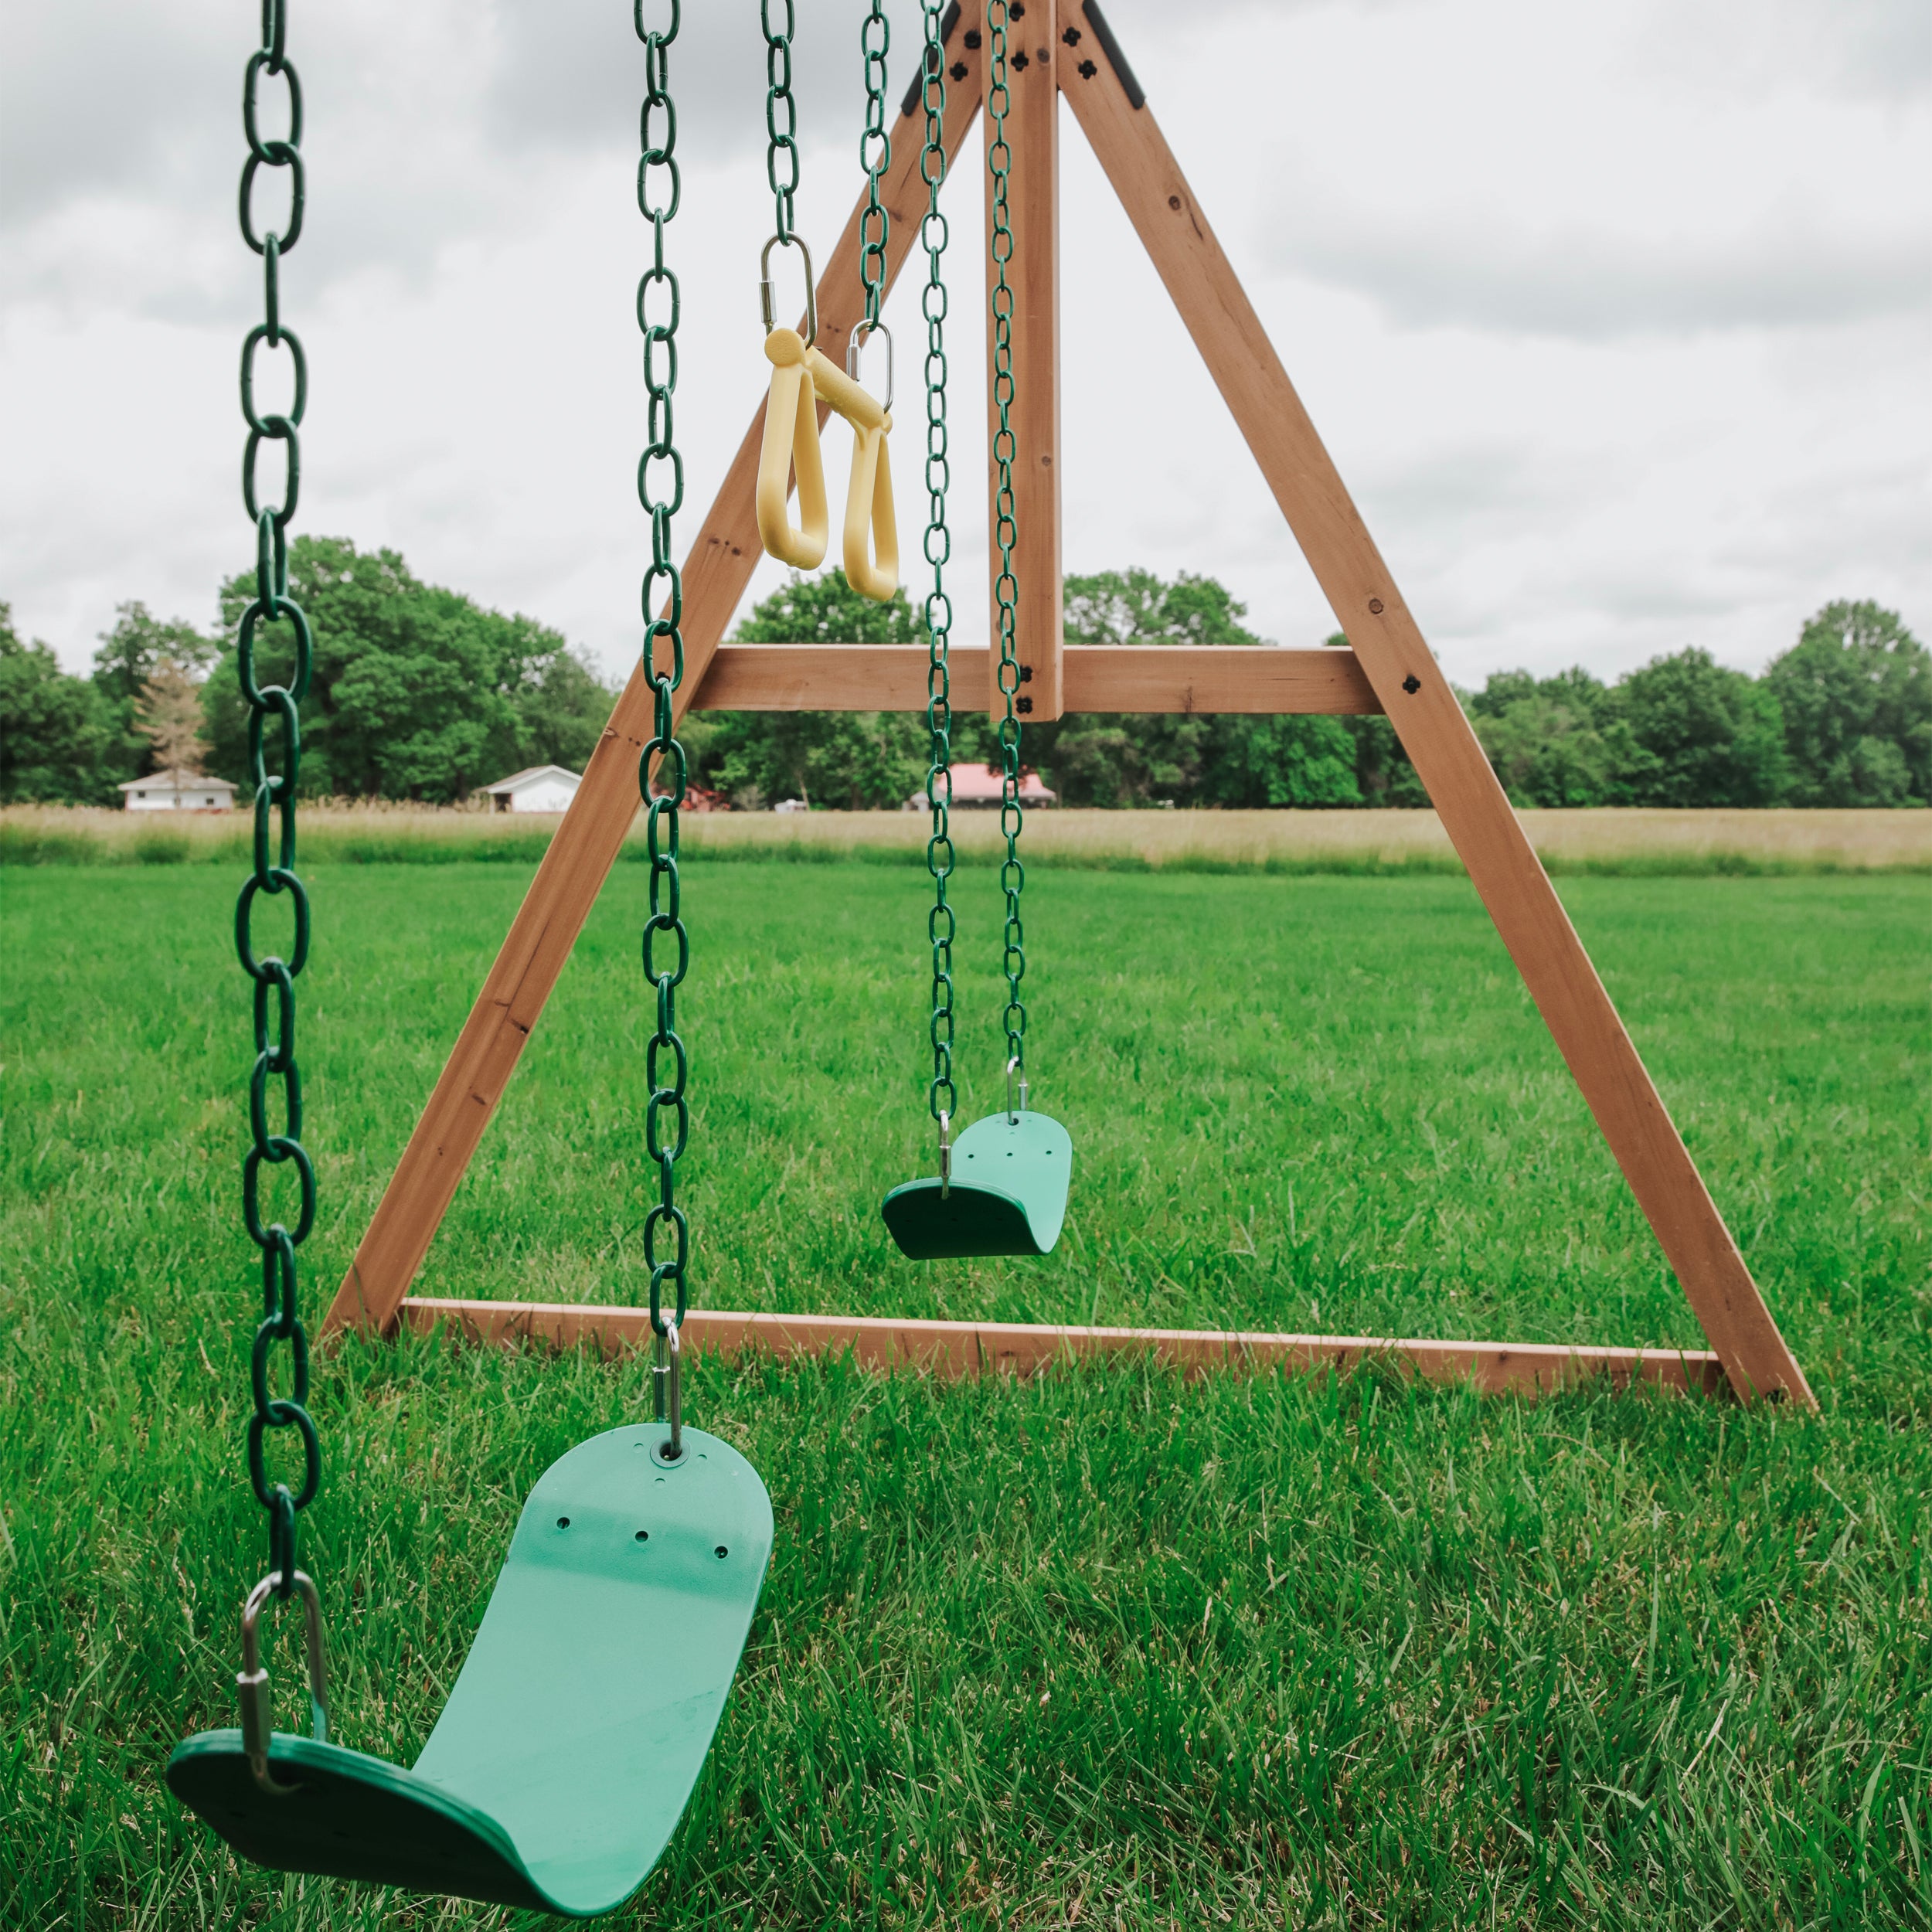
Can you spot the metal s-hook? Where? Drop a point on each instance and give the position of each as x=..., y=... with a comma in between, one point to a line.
x=1012, y=1112
x=251, y=1683
x=945, y=1154
x=768, y=294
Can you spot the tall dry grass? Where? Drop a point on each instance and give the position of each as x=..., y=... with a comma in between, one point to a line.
x=1607, y=841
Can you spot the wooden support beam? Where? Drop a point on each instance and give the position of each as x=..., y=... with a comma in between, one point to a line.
x=716, y=573
x=1184, y=678
x=959, y=1350
x=1470, y=801
x=1033, y=275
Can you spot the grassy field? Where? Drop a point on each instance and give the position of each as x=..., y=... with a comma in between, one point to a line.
x=1107, y=1649
x=1613, y=842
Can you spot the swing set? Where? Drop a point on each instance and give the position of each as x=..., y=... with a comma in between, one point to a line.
x=575, y=1733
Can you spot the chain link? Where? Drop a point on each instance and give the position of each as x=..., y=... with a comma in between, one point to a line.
x=874, y=156
x=782, y=153
x=942, y=1100
x=667, y=1120
x=274, y=871
x=1012, y=875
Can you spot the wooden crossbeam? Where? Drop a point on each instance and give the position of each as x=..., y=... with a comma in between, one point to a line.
x=1158, y=678
x=958, y=1351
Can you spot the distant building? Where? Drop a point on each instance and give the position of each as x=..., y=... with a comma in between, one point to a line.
x=975, y=786
x=542, y=788
x=178, y=791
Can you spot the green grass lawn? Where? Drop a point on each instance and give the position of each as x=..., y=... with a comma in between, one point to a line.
x=1106, y=1649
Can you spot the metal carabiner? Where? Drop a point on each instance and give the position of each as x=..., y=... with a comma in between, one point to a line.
x=666, y=1367
x=768, y=294
x=852, y=358
x=257, y=1708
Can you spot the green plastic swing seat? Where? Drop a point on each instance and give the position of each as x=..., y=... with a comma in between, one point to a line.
x=580, y=1720
x=1008, y=1195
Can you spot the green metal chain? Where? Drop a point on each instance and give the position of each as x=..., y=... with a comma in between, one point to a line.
x=659, y=190
x=781, y=154
x=942, y=1099
x=1012, y=875
x=274, y=977
x=874, y=156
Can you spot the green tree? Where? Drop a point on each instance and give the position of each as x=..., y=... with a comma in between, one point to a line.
x=1545, y=754
x=1856, y=693
x=55, y=731
x=129, y=657
x=1558, y=741
x=418, y=692
x=1383, y=776
x=1700, y=735
x=1136, y=607
x=1272, y=761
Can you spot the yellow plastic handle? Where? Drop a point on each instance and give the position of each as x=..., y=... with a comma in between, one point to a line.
x=791, y=443
x=845, y=397
x=869, y=500
x=872, y=568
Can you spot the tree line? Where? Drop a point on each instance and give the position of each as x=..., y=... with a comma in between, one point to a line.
x=418, y=693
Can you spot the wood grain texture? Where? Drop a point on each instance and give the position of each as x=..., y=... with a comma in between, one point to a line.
x=1437, y=737
x=1033, y=274
x=1187, y=678
x=573, y=869
x=957, y=1350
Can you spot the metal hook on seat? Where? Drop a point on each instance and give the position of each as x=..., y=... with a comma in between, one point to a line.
x=945, y=1154
x=1012, y=1112
x=251, y=1683
x=666, y=1368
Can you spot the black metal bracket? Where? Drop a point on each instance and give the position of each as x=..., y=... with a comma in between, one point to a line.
x=1115, y=59
x=916, y=93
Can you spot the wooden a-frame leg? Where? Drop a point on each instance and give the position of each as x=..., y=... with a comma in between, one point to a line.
x=587, y=843
x=1474, y=810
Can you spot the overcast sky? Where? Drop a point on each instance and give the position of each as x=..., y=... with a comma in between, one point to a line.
x=1615, y=318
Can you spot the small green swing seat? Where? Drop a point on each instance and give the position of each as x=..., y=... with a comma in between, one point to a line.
x=1007, y=1194
x=580, y=1720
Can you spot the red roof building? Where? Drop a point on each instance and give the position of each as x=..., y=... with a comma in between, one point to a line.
x=982, y=785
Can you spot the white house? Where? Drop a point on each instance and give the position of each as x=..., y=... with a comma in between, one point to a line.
x=178, y=791
x=542, y=788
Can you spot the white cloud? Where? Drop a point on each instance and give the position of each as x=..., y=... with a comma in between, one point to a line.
x=1576, y=190
x=1615, y=319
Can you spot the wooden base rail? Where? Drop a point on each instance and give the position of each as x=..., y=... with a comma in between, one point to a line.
x=958, y=1350
x=1207, y=677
